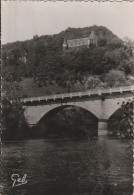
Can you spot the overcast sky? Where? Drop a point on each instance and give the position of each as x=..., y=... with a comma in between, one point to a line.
x=23, y=20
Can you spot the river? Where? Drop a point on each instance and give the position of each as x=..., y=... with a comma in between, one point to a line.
x=67, y=167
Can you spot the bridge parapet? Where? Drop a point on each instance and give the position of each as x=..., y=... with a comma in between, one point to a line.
x=95, y=92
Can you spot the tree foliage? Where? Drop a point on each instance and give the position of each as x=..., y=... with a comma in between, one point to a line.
x=127, y=122
x=122, y=122
x=115, y=78
x=13, y=122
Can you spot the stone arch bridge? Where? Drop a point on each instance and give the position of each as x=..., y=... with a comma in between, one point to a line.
x=102, y=103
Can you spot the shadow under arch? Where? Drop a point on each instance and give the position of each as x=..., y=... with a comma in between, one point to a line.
x=114, y=121
x=117, y=114
x=93, y=121
x=54, y=111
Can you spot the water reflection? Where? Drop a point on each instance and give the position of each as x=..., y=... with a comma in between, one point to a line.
x=59, y=167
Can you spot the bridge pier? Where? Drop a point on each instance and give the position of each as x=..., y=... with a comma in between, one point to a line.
x=103, y=127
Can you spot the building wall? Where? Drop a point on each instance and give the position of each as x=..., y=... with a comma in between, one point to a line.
x=75, y=43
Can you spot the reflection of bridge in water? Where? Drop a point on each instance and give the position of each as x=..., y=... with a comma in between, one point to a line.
x=102, y=103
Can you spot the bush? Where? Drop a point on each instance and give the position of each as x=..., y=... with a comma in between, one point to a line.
x=92, y=82
x=115, y=78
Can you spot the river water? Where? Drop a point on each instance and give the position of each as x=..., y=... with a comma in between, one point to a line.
x=67, y=167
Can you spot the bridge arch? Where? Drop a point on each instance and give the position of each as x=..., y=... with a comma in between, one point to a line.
x=68, y=121
x=54, y=111
x=34, y=114
x=112, y=105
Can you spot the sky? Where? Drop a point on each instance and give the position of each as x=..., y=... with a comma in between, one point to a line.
x=22, y=20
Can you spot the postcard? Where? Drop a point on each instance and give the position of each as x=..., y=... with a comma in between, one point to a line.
x=67, y=97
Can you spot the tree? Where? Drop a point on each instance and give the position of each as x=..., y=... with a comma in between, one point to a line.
x=121, y=123
x=129, y=47
x=92, y=82
x=115, y=43
x=115, y=78
x=13, y=121
x=128, y=42
x=127, y=122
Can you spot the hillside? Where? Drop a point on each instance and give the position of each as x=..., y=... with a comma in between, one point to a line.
x=43, y=61
x=31, y=89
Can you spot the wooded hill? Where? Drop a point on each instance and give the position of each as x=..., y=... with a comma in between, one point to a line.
x=42, y=58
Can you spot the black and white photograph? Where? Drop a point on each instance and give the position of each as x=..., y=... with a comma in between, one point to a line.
x=67, y=97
